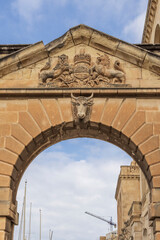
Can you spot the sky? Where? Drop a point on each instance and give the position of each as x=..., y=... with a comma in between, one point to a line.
x=77, y=175
x=30, y=21
x=68, y=179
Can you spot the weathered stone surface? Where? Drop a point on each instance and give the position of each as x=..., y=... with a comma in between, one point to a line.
x=153, y=157
x=149, y=145
x=143, y=134
x=8, y=156
x=53, y=111
x=29, y=124
x=124, y=111
x=18, y=132
x=6, y=169
x=156, y=181
x=13, y=145
x=5, y=129
x=65, y=106
x=36, y=109
x=8, y=117
x=97, y=109
x=5, y=224
x=155, y=169
x=110, y=110
x=135, y=122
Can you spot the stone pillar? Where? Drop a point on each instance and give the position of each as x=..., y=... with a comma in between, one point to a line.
x=156, y=228
x=8, y=214
x=154, y=212
x=135, y=221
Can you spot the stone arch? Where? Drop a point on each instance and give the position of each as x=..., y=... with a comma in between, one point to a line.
x=35, y=124
x=157, y=34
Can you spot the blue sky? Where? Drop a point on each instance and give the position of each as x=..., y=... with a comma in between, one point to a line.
x=28, y=21
x=68, y=179
x=76, y=175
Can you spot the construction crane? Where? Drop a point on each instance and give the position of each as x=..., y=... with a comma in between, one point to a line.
x=103, y=219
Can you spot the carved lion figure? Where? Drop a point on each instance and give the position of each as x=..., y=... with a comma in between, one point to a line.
x=61, y=67
x=101, y=69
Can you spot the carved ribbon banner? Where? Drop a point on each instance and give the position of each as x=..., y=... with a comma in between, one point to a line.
x=82, y=73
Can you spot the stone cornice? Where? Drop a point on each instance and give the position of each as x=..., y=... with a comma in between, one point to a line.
x=150, y=16
x=81, y=35
x=53, y=92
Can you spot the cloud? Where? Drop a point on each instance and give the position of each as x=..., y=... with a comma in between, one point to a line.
x=28, y=9
x=134, y=29
x=65, y=185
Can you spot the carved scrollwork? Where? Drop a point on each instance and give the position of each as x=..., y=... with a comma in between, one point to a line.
x=82, y=73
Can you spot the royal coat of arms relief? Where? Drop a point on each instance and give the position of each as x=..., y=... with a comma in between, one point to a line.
x=83, y=73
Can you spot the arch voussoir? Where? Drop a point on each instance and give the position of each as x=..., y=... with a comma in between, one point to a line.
x=124, y=113
x=38, y=114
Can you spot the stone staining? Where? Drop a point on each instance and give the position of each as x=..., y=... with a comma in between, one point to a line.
x=83, y=73
x=81, y=109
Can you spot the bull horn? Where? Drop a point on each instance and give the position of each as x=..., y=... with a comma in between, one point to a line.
x=72, y=96
x=88, y=98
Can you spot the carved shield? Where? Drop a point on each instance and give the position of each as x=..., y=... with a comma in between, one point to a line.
x=81, y=71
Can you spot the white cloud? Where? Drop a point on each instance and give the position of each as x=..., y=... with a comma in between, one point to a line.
x=134, y=29
x=28, y=9
x=64, y=186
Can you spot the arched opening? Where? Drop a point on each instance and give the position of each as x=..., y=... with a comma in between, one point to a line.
x=157, y=35
x=81, y=175
x=69, y=131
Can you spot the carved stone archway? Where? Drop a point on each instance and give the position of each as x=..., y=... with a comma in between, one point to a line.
x=36, y=108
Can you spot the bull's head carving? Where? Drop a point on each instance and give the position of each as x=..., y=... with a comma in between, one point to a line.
x=81, y=108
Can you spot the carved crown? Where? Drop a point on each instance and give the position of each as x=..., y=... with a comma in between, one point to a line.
x=82, y=57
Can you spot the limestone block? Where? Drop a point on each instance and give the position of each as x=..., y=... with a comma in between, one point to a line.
x=126, y=110
x=53, y=111
x=104, y=42
x=4, y=235
x=153, y=157
x=5, y=194
x=29, y=124
x=156, y=225
x=60, y=44
x=155, y=193
x=81, y=34
x=156, y=181
x=13, y=145
x=148, y=104
x=154, y=211
x=135, y=123
x=16, y=105
x=133, y=54
x=65, y=106
x=97, y=109
x=149, y=145
x=8, y=156
x=153, y=116
x=110, y=110
x=18, y=132
x=6, y=168
x=30, y=50
x=8, y=117
x=142, y=134
x=5, y=129
x=155, y=169
x=156, y=128
x=5, y=224
x=38, y=113
x=157, y=236
x=2, y=142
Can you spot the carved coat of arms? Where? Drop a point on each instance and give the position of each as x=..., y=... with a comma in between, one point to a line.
x=82, y=73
